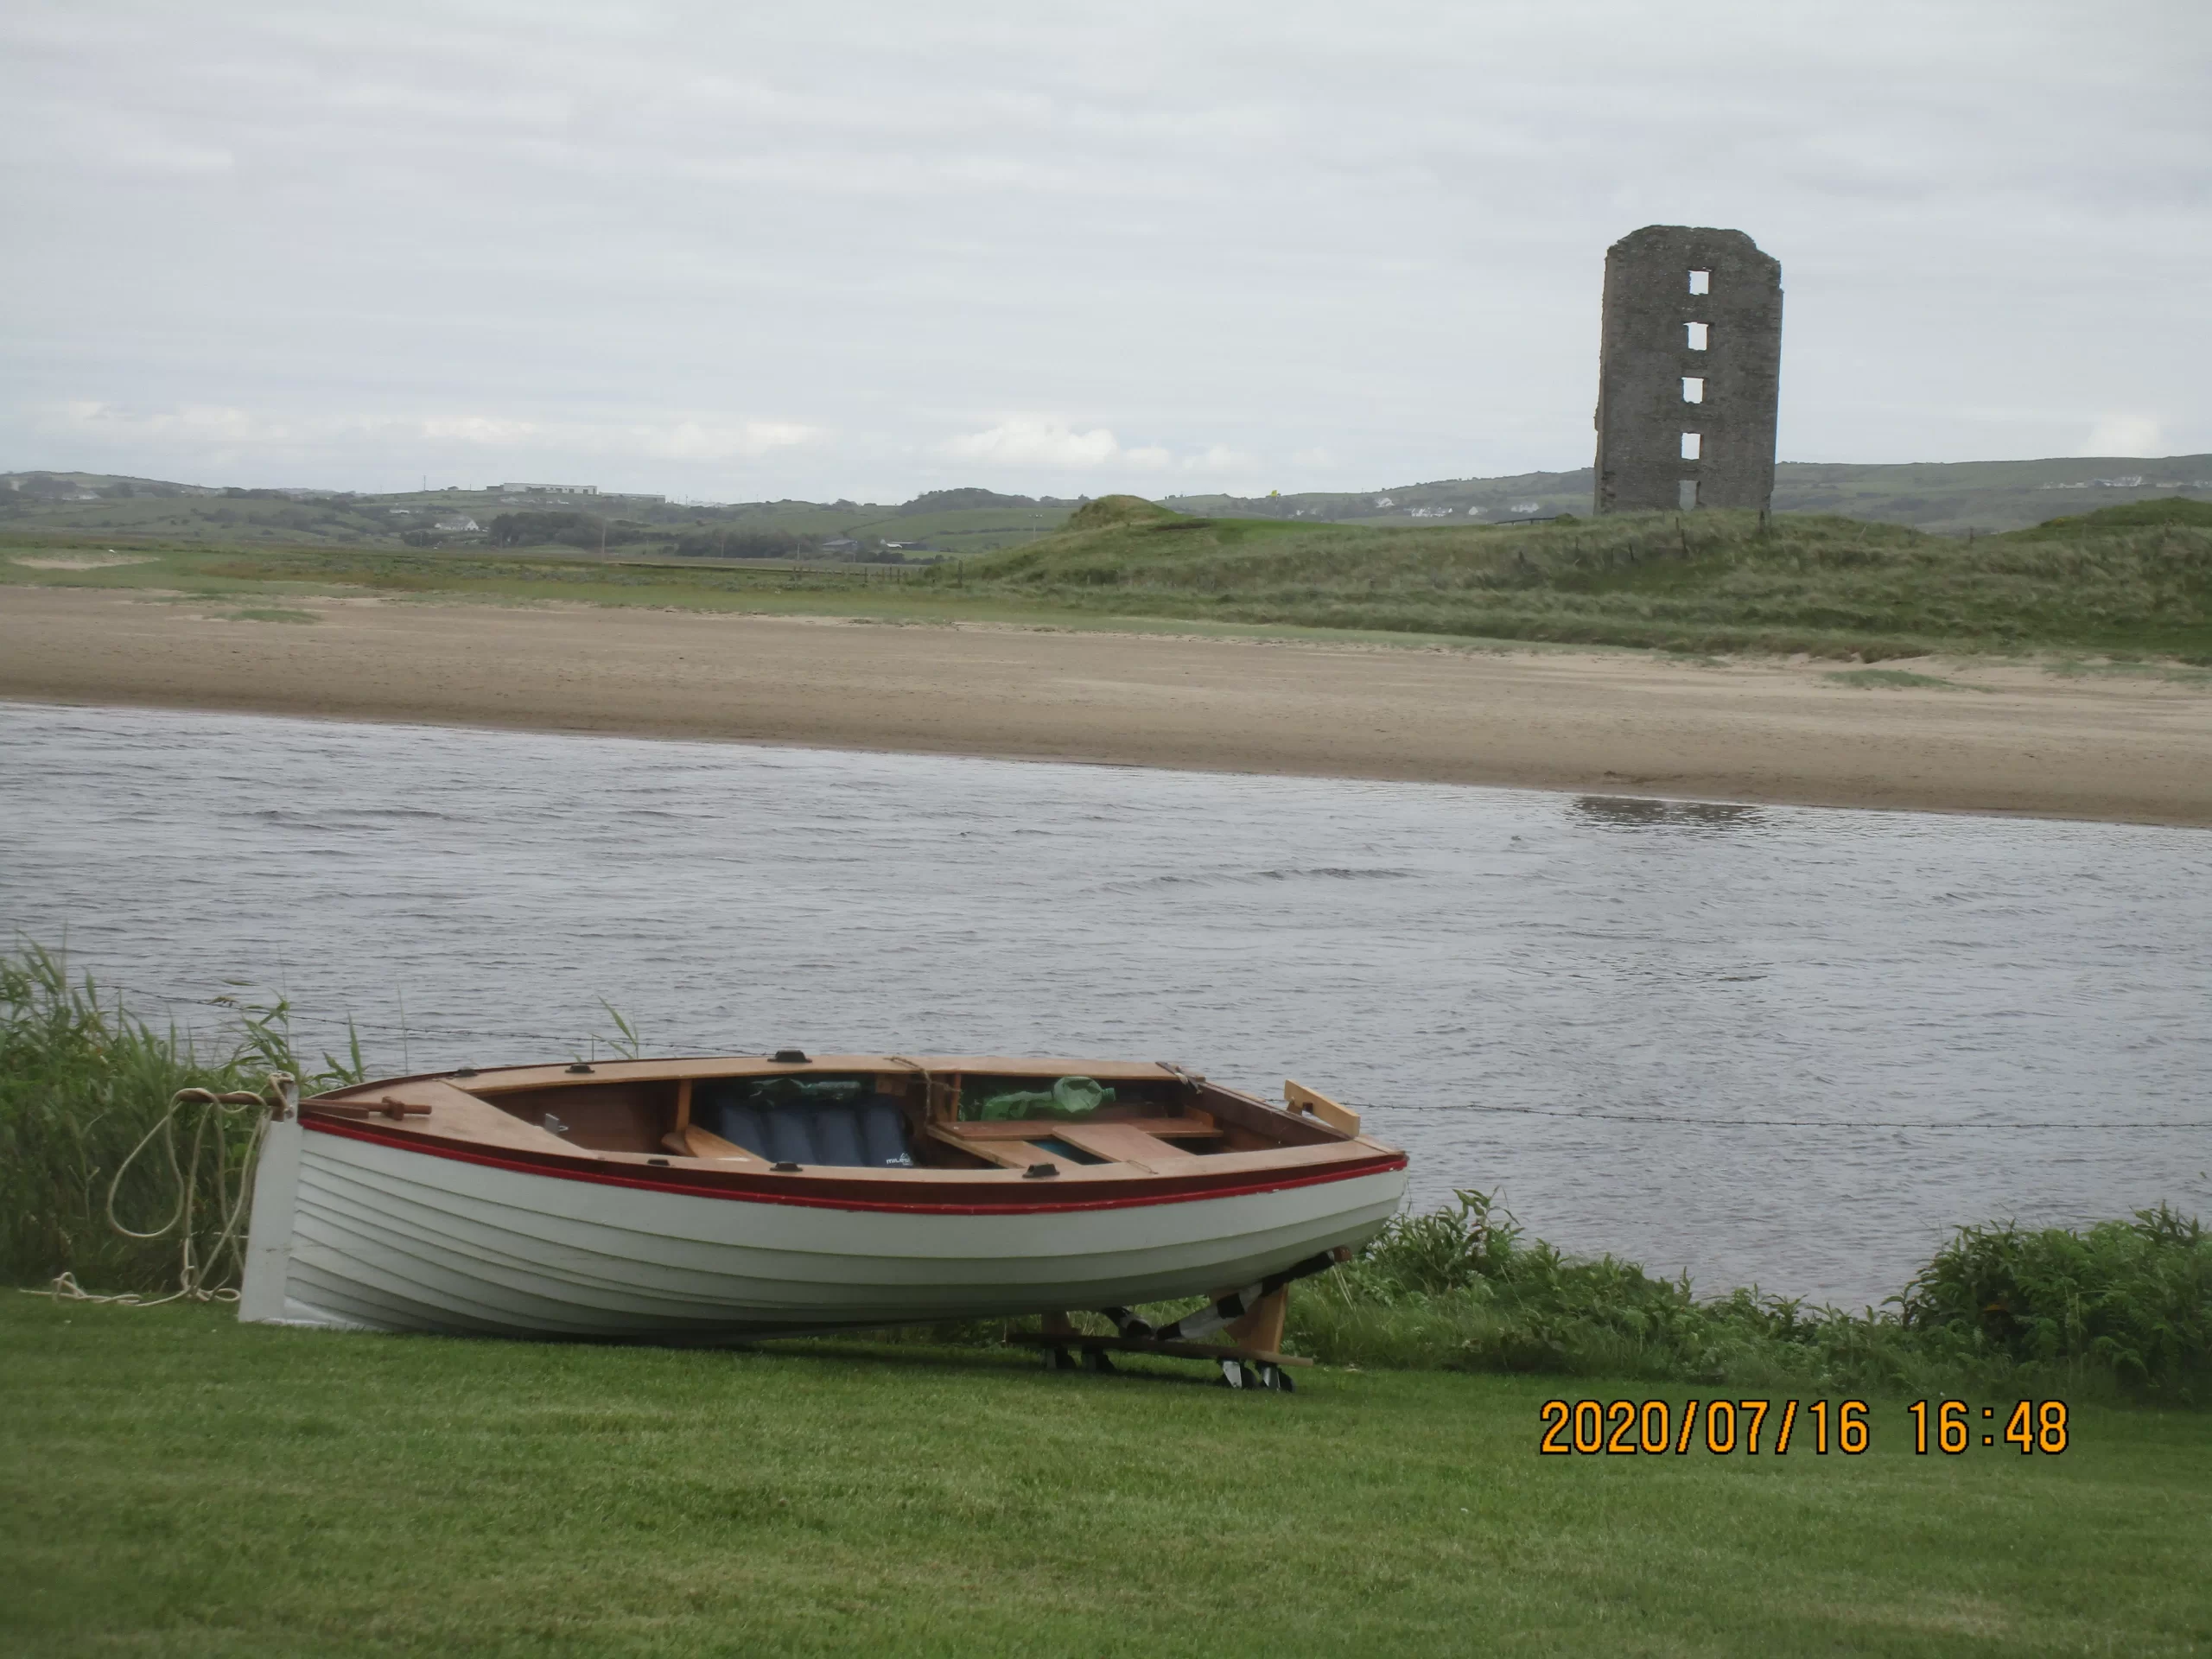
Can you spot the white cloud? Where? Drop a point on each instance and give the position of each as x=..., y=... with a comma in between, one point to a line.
x=241, y=440
x=1030, y=440
x=478, y=428
x=1220, y=458
x=685, y=440
x=1025, y=440
x=2124, y=435
x=212, y=422
x=698, y=440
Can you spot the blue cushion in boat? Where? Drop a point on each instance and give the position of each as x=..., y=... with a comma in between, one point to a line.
x=869, y=1133
x=740, y=1124
x=883, y=1133
x=791, y=1137
x=836, y=1136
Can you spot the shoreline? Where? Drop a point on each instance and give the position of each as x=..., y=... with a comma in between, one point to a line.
x=2001, y=739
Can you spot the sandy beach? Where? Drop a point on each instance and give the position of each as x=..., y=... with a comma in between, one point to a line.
x=2013, y=739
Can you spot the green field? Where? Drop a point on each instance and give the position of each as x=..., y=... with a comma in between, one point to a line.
x=2125, y=583
x=178, y=1484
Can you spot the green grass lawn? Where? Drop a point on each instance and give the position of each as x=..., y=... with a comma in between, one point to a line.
x=177, y=1484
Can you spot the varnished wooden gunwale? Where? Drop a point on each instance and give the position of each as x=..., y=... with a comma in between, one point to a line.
x=464, y=1120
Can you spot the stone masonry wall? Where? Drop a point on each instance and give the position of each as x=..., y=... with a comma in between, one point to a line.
x=1650, y=363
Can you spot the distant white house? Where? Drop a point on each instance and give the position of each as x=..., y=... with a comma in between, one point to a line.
x=552, y=489
x=459, y=522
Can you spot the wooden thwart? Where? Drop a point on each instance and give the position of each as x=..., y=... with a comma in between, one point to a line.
x=1125, y=1143
x=692, y=1141
x=1006, y=1151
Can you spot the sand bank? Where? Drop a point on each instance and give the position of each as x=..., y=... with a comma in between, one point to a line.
x=2019, y=740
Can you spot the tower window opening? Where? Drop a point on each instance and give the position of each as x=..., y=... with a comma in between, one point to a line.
x=1692, y=444
x=1692, y=388
x=1700, y=282
x=1697, y=335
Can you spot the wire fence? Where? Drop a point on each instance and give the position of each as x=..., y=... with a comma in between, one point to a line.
x=1481, y=1109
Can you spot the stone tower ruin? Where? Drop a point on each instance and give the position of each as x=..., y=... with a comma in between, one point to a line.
x=1689, y=371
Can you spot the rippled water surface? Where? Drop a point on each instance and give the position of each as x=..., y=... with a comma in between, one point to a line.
x=1860, y=1011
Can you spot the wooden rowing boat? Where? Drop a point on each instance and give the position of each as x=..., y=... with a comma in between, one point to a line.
x=721, y=1199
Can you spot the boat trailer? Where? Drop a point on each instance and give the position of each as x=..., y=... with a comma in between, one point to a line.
x=1252, y=1317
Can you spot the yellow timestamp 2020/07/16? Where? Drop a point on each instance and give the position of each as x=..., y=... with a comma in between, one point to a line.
x=1659, y=1427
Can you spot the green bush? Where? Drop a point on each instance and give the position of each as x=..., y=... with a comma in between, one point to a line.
x=2124, y=1309
x=2133, y=1298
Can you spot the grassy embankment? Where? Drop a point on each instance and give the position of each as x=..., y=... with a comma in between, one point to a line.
x=172, y=1481
x=2129, y=582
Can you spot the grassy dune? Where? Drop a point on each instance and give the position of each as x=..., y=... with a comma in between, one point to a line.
x=2134, y=579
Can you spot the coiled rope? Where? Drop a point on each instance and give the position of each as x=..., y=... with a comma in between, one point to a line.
x=197, y=1279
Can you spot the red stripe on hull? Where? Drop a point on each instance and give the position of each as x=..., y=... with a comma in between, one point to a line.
x=743, y=1189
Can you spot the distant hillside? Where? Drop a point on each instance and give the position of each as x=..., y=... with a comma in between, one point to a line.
x=1940, y=496
x=957, y=522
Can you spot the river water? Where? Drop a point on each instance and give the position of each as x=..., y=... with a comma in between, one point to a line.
x=1784, y=1045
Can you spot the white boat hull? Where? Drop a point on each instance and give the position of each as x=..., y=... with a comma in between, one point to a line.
x=358, y=1232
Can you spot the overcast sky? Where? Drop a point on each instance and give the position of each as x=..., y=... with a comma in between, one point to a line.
x=732, y=252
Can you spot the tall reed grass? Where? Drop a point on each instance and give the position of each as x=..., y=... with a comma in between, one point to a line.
x=2123, y=1309
x=82, y=1083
